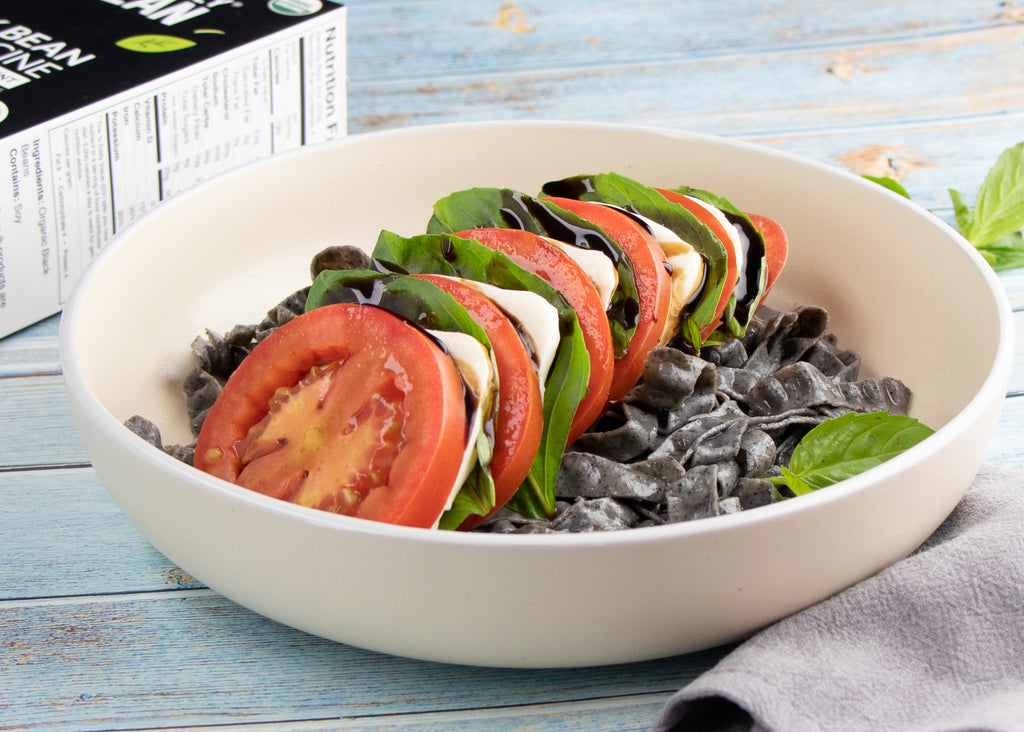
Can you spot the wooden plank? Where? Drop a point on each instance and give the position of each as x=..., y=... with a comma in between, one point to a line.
x=66, y=537
x=441, y=38
x=957, y=75
x=1016, y=385
x=1005, y=449
x=194, y=658
x=31, y=351
x=928, y=158
x=36, y=425
x=1013, y=281
x=614, y=714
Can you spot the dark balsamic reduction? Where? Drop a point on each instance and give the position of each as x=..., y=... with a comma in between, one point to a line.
x=447, y=249
x=519, y=211
x=579, y=186
x=569, y=187
x=374, y=291
x=753, y=260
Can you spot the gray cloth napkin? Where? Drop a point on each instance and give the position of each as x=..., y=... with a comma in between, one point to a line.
x=934, y=642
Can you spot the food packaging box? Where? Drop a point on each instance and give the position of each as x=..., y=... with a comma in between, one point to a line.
x=109, y=107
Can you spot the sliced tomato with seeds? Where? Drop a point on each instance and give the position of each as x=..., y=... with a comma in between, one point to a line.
x=536, y=254
x=346, y=408
x=519, y=413
x=653, y=285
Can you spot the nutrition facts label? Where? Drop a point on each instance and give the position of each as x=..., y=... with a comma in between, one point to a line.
x=77, y=182
x=110, y=168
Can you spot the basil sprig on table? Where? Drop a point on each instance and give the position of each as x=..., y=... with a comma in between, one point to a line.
x=844, y=446
x=566, y=382
x=994, y=225
x=637, y=198
x=429, y=307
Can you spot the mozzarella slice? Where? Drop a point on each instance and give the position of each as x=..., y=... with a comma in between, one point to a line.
x=481, y=380
x=739, y=250
x=536, y=318
x=687, y=268
x=597, y=266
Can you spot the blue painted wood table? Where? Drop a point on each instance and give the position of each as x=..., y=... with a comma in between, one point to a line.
x=98, y=631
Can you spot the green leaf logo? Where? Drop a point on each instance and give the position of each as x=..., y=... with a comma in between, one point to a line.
x=154, y=43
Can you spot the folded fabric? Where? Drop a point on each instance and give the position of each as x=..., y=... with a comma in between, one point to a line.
x=934, y=642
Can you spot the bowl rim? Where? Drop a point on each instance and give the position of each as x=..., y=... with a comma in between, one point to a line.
x=78, y=387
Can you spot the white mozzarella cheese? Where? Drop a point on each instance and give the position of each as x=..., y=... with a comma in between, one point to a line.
x=597, y=266
x=739, y=251
x=478, y=374
x=687, y=272
x=537, y=320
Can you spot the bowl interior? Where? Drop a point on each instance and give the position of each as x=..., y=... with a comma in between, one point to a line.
x=900, y=287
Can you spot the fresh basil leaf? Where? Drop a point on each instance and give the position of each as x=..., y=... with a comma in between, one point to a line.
x=504, y=208
x=1004, y=253
x=430, y=307
x=845, y=446
x=635, y=197
x=999, y=206
x=418, y=301
x=961, y=211
x=891, y=183
x=566, y=382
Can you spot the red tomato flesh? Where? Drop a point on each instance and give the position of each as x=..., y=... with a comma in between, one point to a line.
x=776, y=246
x=519, y=413
x=348, y=409
x=537, y=255
x=653, y=285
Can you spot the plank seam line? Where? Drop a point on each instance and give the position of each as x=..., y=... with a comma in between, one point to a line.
x=38, y=468
x=455, y=715
x=112, y=597
x=26, y=371
x=538, y=709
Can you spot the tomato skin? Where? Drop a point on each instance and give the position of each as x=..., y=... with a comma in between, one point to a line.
x=653, y=285
x=776, y=245
x=519, y=413
x=539, y=256
x=343, y=390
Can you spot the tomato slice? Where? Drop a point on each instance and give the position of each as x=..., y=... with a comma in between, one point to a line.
x=537, y=255
x=776, y=246
x=653, y=285
x=519, y=414
x=347, y=408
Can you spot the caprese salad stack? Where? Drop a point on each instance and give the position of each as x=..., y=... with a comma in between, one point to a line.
x=446, y=379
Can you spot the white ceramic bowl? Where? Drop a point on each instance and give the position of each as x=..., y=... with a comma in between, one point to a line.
x=902, y=288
